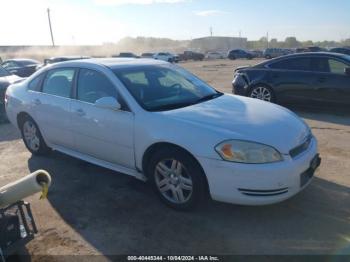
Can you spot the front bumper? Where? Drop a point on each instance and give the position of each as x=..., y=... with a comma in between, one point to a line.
x=263, y=184
x=239, y=86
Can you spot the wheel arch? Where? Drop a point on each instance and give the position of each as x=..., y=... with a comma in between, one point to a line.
x=264, y=84
x=161, y=145
x=21, y=117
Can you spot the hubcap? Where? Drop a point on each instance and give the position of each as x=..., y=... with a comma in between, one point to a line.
x=30, y=135
x=173, y=181
x=261, y=93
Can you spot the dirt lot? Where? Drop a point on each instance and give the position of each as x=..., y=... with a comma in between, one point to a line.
x=91, y=210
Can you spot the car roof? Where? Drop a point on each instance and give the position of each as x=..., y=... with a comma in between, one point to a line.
x=112, y=63
x=306, y=54
x=68, y=57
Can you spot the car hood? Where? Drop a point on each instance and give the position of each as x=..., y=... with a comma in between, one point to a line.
x=8, y=80
x=246, y=119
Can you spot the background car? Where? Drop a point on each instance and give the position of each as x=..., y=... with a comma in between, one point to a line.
x=341, y=50
x=191, y=55
x=20, y=66
x=239, y=53
x=58, y=59
x=257, y=53
x=6, y=79
x=147, y=55
x=215, y=55
x=300, y=78
x=164, y=56
x=126, y=55
x=275, y=52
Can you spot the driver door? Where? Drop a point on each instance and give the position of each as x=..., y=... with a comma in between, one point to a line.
x=104, y=134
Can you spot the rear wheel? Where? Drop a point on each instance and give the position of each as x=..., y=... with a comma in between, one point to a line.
x=177, y=178
x=32, y=137
x=262, y=92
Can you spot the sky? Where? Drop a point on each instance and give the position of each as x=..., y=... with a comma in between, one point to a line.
x=89, y=22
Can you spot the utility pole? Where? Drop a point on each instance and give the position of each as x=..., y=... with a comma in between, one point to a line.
x=211, y=31
x=267, y=39
x=48, y=15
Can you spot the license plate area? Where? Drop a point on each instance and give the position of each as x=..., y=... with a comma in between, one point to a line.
x=308, y=174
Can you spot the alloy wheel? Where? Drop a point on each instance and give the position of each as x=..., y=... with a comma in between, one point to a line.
x=31, y=135
x=173, y=181
x=262, y=93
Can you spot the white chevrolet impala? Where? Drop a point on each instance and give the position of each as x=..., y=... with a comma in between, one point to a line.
x=157, y=122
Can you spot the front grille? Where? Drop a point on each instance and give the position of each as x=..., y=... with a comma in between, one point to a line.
x=301, y=148
x=263, y=193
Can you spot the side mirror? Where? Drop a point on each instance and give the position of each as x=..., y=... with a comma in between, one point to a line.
x=108, y=103
x=347, y=71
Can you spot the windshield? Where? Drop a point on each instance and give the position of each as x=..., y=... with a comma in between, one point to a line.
x=3, y=72
x=158, y=88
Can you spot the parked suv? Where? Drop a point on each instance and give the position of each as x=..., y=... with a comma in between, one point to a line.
x=190, y=55
x=275, y=52
x=239, y=53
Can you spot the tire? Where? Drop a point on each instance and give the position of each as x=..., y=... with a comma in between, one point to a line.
x=262, y=92
x=177, y=178
x=32, y=137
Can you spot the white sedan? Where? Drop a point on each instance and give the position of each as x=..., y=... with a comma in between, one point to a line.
x=215, y=55
x=158, y=122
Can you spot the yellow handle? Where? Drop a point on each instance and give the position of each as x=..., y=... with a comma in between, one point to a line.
x=44, y=191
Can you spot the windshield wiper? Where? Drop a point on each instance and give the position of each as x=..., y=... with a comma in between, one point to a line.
x=170, y=106
x=209, y=97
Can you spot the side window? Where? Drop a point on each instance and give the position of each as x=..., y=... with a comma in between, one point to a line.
x=35, y=84
x=297, y=64
x=319, y=64
x=59, y=82
x=337, y=67
x=93, y=85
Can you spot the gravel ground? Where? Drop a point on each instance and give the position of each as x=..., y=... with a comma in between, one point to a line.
x=91, y=210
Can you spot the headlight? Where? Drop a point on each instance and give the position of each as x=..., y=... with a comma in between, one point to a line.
x=247, y=152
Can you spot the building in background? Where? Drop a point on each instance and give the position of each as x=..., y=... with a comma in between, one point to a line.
x=218, y=43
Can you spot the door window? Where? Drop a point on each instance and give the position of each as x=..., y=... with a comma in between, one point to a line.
x=337, y=67
x=93, y=85
x=295, y=64
x=59, y=82
x=320, y=64
x=35, y=84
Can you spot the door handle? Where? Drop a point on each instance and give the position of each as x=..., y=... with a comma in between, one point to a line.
x=80, y=112
x=36, y=102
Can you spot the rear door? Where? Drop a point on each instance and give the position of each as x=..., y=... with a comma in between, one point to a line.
x=52, y=106
x=292, y=79
x=332, y=84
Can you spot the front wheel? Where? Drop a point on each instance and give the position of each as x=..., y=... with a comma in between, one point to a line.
x=177, y=178
x=262, y=92
x=32, y=137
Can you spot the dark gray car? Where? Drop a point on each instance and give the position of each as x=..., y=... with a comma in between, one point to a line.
x=300, y=78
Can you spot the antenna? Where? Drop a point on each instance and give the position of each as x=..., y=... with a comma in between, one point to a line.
x=48, y=16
